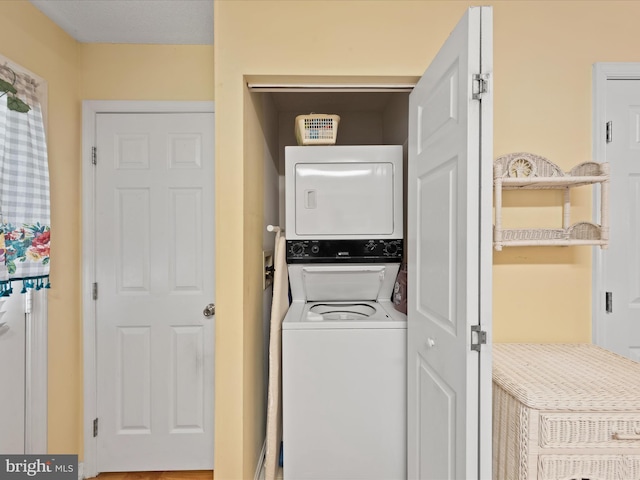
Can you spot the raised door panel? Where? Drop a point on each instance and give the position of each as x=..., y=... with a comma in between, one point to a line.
x=186, y=241
x=133, y=388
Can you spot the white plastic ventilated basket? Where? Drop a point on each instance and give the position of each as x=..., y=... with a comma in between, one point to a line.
x=317, y=129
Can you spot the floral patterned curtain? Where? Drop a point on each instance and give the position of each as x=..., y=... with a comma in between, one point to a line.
x=24, y=189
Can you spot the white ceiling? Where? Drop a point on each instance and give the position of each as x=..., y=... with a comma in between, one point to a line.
x=173, y=22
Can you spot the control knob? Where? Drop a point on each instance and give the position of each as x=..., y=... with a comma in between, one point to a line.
x=370, y=246
x=391, y=248
x=297, y=249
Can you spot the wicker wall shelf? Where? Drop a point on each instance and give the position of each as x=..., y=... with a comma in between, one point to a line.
x=526, y=171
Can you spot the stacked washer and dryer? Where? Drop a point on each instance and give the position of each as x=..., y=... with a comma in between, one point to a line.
x=343, y=342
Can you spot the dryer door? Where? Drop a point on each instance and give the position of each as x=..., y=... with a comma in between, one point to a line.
x=344, y=199
x=345, y=192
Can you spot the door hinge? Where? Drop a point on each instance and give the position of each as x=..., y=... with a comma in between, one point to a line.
x=478, y=338
x=94, y=155
x=95, y=427
x=608, y=302
x=609, y=130
x=94, y=291
x=480, y=85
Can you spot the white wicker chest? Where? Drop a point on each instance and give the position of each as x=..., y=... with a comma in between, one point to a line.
x=565, y=412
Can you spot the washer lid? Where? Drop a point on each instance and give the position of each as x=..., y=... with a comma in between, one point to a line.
x=342, y=282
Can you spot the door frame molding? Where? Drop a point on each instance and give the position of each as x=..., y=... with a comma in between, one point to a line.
x=602, y=72
x=90, y=109
x=36, y=372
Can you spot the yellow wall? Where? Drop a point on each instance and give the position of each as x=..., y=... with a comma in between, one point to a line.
x=544, y=53
x=31, y=40
x=146, y=72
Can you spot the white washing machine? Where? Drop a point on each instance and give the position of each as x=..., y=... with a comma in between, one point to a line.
x=343, y=342
x=344, y=375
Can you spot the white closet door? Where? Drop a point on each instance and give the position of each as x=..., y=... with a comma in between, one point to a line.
x=155, y=276
x=449, y=254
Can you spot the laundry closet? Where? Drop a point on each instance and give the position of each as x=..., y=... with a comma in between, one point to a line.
x=343, y=341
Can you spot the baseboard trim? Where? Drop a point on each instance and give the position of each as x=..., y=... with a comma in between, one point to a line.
x=260, y=467
x=80, y=471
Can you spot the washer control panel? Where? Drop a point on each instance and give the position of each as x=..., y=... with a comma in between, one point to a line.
x=348, y=251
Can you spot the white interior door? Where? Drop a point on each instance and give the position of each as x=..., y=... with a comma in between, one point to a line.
x=449, y=252
x=12, y=374
x=619, y=329
x=155, y=275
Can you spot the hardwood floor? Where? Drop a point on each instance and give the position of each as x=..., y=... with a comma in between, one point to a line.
x=190, y=475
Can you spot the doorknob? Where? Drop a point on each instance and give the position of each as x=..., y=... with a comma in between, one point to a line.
x=209, y=310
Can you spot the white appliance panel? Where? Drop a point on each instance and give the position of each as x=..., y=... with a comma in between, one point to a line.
x=342, y=282
x=343, y=192
x=344, y=404
x=343, y=199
